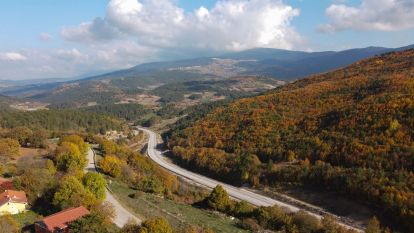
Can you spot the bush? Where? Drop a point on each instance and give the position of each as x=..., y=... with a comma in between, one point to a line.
x=8, y=225
x=111, y=165
x=9, y=148
x=156, y=225
x=373, y=226
x=306, y=222
x=151, y=184
x=242, y=209
x=273, y=218
x=218, y=199
x=93, y=223
x=250, y=224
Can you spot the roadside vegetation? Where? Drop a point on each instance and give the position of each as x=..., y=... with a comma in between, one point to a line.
x=151, y=191
x=273, y=218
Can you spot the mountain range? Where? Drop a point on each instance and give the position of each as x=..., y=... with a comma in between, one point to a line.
x=275, y=65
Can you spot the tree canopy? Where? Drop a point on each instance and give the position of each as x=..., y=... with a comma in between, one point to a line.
x=350, y=130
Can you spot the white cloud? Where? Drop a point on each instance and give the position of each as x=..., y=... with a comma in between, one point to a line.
x=69, y=54
x=45, y=36
x=382, y=15
x=138, y=31
x=12, y=56
x=74, y=61
x=161, y=24
x=96, y=30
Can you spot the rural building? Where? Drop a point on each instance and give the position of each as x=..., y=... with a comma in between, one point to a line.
x=12, y=202
x=58, y=223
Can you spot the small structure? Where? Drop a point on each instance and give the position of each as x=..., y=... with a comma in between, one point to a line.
x=58, y=223
x=13, y=202
x=5, y=184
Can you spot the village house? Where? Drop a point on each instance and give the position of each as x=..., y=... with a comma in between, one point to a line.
x=13, y=202
x=58, y=223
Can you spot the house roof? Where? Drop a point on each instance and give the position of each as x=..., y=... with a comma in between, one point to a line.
x=61, y=219
x=13, y=196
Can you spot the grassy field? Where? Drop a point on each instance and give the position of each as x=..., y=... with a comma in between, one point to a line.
x=179, y=215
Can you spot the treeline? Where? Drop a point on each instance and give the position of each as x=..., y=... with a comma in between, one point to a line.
x=61, y=120
x=353, y=129
x=128, y=112
x=26, y=137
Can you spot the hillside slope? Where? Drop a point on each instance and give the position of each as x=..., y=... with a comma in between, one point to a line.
x=100, y=92
x=350, y=131
x=279, y=64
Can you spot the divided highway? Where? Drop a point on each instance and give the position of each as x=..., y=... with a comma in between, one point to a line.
x=234, y=192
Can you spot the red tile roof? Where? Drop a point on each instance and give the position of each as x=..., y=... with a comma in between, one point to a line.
x=61, y=219
x=13, y=196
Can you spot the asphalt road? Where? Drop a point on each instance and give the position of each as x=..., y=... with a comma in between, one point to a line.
x=234, y=192
x=123, y=216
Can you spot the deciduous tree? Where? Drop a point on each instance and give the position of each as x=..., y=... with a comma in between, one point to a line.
x=96, y=184
x=111, y=165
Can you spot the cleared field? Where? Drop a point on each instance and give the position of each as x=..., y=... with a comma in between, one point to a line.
x=179, y=215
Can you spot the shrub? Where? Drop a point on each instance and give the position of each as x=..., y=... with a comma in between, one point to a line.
x=306, y=222
x=156, y=225
x=111, y=165
x=8, y=225
x=218, y=199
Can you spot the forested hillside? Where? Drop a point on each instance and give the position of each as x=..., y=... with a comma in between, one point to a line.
x=350, y=131
x=60, y=120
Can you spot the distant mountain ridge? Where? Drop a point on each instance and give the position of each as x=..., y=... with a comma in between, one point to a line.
x=281, y=64
x=284, y=65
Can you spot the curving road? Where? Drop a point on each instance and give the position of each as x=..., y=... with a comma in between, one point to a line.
x=123, y=216
x=234, y=192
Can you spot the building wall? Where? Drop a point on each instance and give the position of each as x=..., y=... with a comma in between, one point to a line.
x=12, y=208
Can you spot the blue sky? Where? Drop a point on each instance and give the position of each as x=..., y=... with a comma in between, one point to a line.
x=41, y=38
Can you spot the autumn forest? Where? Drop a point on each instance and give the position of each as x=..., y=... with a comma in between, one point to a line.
x=350, y=131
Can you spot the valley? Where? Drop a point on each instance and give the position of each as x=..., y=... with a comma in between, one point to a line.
x=305, y=149
x=212, y=116
x=153, y=84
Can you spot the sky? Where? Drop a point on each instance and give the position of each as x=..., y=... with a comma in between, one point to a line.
x=71, y=38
